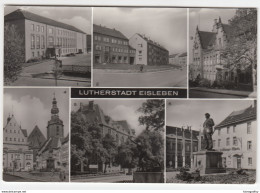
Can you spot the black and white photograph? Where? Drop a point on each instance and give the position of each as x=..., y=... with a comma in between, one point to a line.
x=36, y=135
x=139, y=47
x=223, y=52
x=47, y=46
x=211, y=141
x=117, y=141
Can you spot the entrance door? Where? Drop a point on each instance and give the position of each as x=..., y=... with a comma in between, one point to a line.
x=50, y=164
x=238, y=162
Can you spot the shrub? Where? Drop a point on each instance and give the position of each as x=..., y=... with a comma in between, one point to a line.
x=31, y=60
x=204, y=83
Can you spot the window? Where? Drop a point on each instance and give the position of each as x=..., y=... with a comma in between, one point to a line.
x=250, y=161
x=249, y=145
x=32, y=42
x=10, y=139
x=227, y=141
x=214, y=143
x=234, y=128
x=235, y=141
x=228, y=130
x=51, y=41
x=140, y=51
x=219, y=132
x=32, y=27
x=22, y=140
x=43, y=42
x=38, y=42
x=42, y=29
x=219, y=142
x=249, y=128
x=98, y=47
x=37, y=28
x=6, y=138
x=32, y=54
x=50, y=31
x=28, y=157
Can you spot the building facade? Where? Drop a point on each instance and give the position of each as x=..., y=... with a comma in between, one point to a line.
x=173, y=59
x=236, y=136
x=119, y=130
x=52, y=154
x=148, y=52
x=187, y=141
x=16, y=153
x=207, y=58
x=44, y=37
x=110, y=46
x=183, y=59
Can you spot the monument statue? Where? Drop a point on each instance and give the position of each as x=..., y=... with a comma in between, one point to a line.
x=208, y=132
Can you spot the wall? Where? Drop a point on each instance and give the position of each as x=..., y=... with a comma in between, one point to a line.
x=140, y=45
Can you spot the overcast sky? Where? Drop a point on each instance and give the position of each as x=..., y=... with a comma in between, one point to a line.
x=167, y=26
x=79, y=17
x=204, y=19
x=32, y=106
x=192, y=112
x=117, y=109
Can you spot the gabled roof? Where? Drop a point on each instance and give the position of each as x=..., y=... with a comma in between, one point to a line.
x=22, y=14
x=170, y=130
x=66, y=139
x=36, y=139
x=152, y=42
x=183, y=54
x=50, y=144
x=238, y=116
x=173, y=55
x=109, y=32
x=207, y=38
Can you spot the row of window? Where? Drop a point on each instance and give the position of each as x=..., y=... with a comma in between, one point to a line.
x=12, y=131
x=107, y=49
x=40, y=42
x=14, y=139
x=112, y=40
x=249, y=129
x=39, y=28
x=235, y=142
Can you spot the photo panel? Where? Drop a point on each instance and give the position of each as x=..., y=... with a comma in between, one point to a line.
x=36, y=136
x=211, y=141
x=223, y=52
x=139, y=47
x=47, y=46
x=117, y=140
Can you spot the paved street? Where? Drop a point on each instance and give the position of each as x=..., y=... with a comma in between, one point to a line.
x=27, y=77
x=11, y=178
x=203, y=94
x=170, y=78
x=119, y=178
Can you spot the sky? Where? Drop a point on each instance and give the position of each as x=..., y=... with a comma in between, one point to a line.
x=32, y=106
x=192, y=112
x=79, y=17
x=167, y=26
x=204, y=19
x=117, y=109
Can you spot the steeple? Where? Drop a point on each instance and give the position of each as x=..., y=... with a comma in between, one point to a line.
x=54, y=109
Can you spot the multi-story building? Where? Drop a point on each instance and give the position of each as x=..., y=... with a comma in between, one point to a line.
x=119, y=130
x=183, y=59
x=52, y=154
x=16, y=153
x=173, y=59
x=235, y=136
x=89, y=43
x=207, y=61
x=187, y=141
x=148, y=52
x=44, y=37
x=110, y=46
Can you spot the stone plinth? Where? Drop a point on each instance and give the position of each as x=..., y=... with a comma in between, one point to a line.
x=148, y=177
x=208, y=162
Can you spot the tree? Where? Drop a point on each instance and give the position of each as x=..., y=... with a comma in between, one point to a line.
x=110, y=149
x=13, y=53
x=153, y=114
x=241, y=49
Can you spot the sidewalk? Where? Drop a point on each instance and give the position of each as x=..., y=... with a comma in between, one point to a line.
x=224, y=91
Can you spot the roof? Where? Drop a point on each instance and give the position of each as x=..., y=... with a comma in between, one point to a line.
x=152, y=42
x=109, y=32
x=36, y=139
x=66, y=139
x=22, y=14
x=173, y=55
x=207, y=38
x=183, y=54
x=50, y=144
x=238, y=117
x=187, y=133
x=227, y=29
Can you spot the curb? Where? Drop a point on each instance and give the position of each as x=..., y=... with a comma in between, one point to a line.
x=212, y=91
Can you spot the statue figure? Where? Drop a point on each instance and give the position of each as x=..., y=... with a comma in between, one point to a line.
x=208, y=131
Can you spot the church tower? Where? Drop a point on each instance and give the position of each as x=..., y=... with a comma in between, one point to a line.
x=55, y=125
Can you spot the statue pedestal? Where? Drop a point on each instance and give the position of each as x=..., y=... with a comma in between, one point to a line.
x=208, y=162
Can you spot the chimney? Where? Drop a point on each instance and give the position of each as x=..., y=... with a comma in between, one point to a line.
x=91, y=105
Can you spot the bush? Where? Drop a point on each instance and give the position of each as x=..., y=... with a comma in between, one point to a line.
x=204, y=83
x=228, y=85
x=31, y=60
x=183, y=175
